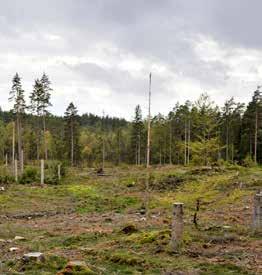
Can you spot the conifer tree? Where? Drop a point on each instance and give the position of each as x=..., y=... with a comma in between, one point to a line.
x=72, y=133
x=136, y=135
x=17, y=96
x=46, y=86
x=40, y=101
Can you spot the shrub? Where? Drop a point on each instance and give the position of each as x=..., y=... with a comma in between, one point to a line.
x=30, y=175
x=51, y=179
x=5, y=179
x=53, y=168
x=248, y=161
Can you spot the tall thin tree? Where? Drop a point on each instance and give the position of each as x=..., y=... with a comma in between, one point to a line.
x=71, y=129
x=46, y=86
x=149, y=124
x=17, y=96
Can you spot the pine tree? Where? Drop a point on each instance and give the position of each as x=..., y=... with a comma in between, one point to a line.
x=72, y=133
x=36, y=107
x=17, y=96
x=40, y=101
x=46, y=87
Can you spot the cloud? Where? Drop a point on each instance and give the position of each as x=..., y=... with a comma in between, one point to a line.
x=99, y=53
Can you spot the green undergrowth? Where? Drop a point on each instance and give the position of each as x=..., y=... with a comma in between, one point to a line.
x=216, y=245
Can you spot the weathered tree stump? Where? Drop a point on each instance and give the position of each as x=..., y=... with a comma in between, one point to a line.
x=42, y=172
x=34, y=257
x=15, y=171
x=257, y=214
x=59, y=172
x=177, y=227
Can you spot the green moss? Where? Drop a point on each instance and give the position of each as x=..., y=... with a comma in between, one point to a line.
x=126, y=258
x=159, y=236
x=222, y=269
x=51, y=265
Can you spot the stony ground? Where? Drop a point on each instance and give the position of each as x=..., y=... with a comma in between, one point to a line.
x=115, y=225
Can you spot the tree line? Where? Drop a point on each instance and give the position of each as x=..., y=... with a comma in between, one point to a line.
x=197, y=132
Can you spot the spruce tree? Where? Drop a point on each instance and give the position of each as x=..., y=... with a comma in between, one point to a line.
x=136, y=135
x=17, y=96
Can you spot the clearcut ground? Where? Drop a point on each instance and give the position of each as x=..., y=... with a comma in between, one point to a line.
x=87, y=218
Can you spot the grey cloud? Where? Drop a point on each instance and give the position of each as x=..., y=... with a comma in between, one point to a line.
x=163, y=32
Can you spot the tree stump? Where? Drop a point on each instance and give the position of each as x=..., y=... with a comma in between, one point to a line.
x=257, y=214
x=177, y=227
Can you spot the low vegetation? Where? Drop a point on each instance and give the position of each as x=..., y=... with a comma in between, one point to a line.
x=115, y=225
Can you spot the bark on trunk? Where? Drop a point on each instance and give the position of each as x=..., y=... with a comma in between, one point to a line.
x=255, y=149
x=72, y=145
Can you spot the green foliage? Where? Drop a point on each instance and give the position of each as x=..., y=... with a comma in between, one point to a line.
x=17, y=95
x=6, y=179
x=30, y=175
x=51, y=265
x=205, y=151
x=248, y=161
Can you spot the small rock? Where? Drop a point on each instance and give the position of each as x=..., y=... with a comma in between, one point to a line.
x=34, y=256
x=2, y=188
x=2, y=241
x=14, y=249
x=19, y=238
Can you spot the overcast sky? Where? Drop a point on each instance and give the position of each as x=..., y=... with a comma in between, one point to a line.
x=98, y=53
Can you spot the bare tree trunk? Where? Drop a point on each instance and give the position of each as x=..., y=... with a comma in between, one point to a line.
x=185, y=149
x=13, y=146
x=136, y=153
x=250, y=145
x=170, y=144
x=149, y=125
x=37, y=150
x=189, y=140
x=22, y=162
x=19, y=139
x=256, y=126
x=72, y=145
x=45, y=145
x=16, y=170
x=139, y=150
x=103, y=153
x=164, y=157
x=227, y=142
x=119, y=149
x=160, y=155
x=232, y=153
